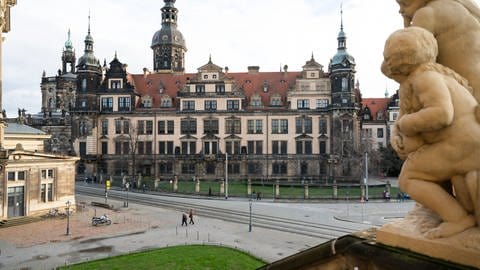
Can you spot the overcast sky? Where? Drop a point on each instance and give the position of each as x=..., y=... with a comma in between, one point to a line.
x=266, y=33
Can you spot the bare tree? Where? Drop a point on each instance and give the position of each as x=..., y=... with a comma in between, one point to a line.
x=133, y=138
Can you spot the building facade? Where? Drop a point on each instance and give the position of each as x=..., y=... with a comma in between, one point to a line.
x=284, y=125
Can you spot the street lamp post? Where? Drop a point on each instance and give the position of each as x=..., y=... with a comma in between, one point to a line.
x=127, y=186
x=226, y=175
x=366, y=176
x=250, y=219
x=67, y=208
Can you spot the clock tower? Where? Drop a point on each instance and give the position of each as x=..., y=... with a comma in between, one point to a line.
x=168, y=44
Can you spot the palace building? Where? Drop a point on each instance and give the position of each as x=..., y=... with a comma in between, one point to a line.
x=284, y=125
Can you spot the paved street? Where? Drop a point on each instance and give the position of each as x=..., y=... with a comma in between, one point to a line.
x=141, y=227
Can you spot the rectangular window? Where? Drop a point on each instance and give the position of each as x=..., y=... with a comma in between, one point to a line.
x=140, y=148
x=323, y=147
x=322, y=103
x=161, y=127
x=233, y=105
x=124, y=104
x=118, y=126
x=233, y=126
x=141, y=127
x=105, y=127
x=188, y=105
x=148, y=148
x=104, y=148
x=149, y=127
x=200, y=88
x=322, y=126
x=279, y=147
x=50, y=192
x=43, y=193
x=118, y=148
x=126, y=148
x=210, y=126
x=11, y=176
x=115, y=83
x=170, y=148
x=188, y=126
x=303, y=104
x=210, y=105
x=170, y=127
x=126, y=127
x=165, y=127
x=107, y=104
x=303, y=125
x=162, y=147
x=220, y=88
x=233, y=168
x=255, y=126
x=379, y=132
x=83, y=149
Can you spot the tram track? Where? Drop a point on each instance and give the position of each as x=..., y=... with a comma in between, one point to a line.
x=311, y=229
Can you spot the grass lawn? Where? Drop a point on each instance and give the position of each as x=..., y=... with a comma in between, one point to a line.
x=294, y=191
x=179, y=257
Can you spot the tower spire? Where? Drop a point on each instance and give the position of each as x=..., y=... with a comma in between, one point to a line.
x=89, y=21
x=341, y=16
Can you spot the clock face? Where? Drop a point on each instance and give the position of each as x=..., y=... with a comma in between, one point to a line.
x=176, y=38
x=165, y=37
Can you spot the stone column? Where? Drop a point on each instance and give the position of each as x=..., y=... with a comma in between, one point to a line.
x=335, y=190
x=249, y=187
x=277, y=189
x=197, y=186
x=175, y=184
x=305, y=191
x=222, y=187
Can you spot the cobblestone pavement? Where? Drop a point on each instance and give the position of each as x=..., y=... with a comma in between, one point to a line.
x=44, y=244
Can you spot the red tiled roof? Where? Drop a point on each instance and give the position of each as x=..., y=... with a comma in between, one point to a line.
x=375, y=105
x=252, y=83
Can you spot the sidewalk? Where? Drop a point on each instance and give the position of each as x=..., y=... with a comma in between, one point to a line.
x=44, y=245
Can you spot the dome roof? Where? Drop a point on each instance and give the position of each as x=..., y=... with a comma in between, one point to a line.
x=88, y=59
x=168, y=35
x=342, y=56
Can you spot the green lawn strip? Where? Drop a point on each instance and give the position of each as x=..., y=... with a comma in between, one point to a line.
x=267, y=189
x=179, y=257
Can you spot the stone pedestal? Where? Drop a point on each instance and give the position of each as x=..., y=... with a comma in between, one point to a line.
x=463, y=248
x=335, y=191
x=222, y=187
x=277, y=189
x=305, y=191
x=197, y=186
x=175, y=184
x=249, y=187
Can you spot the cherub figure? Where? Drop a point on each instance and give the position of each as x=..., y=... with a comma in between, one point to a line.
x=436, y=130
x=456, y=26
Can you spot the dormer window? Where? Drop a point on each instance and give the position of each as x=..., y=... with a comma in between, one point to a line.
x=205, y=77
x=276, y=101
x=115, y=83
x=214, y=76
x=166, y=102
x=256, y=101
x=147, y=102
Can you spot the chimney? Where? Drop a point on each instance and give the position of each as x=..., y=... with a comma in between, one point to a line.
x=253, y=69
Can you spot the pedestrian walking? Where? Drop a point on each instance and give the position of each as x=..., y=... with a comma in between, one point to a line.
x=184, y=219
x=190, y=215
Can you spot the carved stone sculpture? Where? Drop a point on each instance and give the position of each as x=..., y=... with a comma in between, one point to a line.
x=456, y=26
x=437, y=130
